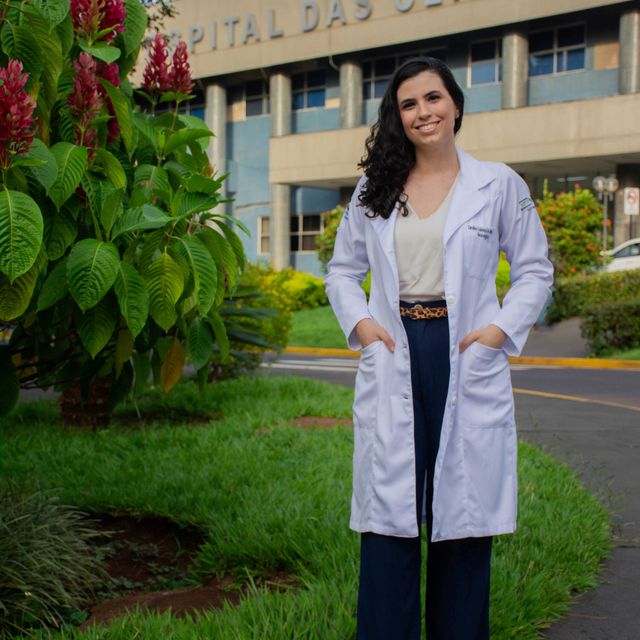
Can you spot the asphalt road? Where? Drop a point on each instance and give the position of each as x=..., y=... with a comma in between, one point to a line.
x=589, y=419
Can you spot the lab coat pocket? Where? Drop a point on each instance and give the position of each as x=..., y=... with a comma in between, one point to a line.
x=480, y=251
x=487, y=397
x=366, y=387
x=490, y=457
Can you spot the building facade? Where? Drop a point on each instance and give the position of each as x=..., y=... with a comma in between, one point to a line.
x=291, y=87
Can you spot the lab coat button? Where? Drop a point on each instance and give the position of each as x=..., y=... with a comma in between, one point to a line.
x=451, y=300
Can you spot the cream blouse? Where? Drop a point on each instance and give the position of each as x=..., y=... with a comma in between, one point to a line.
x=420, y=252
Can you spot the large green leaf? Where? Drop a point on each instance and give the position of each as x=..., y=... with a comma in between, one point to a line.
x=10, y=387
x=156, y=177
x=19, y=43
x=122, y=110
x=199, y=343
x=172, y=365
x=139, y=219
x=222, y=252
x=135, y=25
x=143, y=126
x=133, y=297
x=72, y=163
x=92, y=268
x=183, y=137
x=101, y=51
x=195, y=203
x=203, y=269
x=55, y=287
x=15, y=298
x=217, y=324
x=60, y=231
x=51, y=51
x=166, y=284
x=236, y=244
x=97, y=326
x=21, y=230
x=112, y=168
x=111, y=209
x=124, y=349
x=47, y=171
x=54, y=10
x=203, y=184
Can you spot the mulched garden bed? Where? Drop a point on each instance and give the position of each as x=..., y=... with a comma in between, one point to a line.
x=148, y=560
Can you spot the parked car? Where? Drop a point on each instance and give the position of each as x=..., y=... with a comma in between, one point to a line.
x=624, y=256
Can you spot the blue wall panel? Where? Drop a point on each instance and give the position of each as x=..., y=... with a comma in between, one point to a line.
x=320, y=119
x=580, y=85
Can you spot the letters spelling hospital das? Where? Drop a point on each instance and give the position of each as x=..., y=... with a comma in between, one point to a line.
x=241, y=30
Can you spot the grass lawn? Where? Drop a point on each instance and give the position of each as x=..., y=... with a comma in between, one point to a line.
x=629, y=354
x=316, y=328
x=270, y=495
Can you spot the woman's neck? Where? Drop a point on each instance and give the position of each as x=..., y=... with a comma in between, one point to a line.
x=436, y=161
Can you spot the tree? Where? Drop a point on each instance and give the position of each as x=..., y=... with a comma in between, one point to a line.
x=573, y=224
x=114, y=255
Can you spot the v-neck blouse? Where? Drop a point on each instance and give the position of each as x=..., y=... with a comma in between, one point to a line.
x=420, y=252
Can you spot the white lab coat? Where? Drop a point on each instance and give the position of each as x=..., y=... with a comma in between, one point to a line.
x=475, y=483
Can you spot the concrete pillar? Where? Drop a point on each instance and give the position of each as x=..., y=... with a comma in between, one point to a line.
x=280, y=101
x=515, y=70
x=350, y=94
x=624, y=226
x=629, y=78
x=216, y=119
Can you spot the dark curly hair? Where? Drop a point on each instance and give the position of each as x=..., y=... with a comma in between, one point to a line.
x=389, y=155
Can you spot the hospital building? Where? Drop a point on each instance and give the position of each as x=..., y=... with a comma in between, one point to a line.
x=291, y=88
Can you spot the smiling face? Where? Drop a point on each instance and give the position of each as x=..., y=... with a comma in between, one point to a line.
x=427, y=111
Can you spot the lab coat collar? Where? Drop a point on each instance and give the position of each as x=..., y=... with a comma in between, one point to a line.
x=469, y=197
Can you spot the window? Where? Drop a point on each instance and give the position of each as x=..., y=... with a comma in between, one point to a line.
x=263, y=234
x=308, y=89
x=304, y=231
x=557, y=50
x=254, y=95
x=377, y=73
x=485, y=65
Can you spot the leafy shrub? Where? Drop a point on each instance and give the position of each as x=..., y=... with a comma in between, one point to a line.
x=573, y=224
x=611, y=326
x=115, y=256
x=576, y=296
x=327, y=239
x=47, y=565
x=291, y=290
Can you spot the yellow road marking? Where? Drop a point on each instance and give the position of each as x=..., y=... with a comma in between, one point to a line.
x=562, y=396
x=576, y=363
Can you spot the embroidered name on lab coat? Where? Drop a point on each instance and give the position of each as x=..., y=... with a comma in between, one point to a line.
x=481, y=232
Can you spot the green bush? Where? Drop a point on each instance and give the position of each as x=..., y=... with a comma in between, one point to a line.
x=291, y=290
x=47, y=566
x=573, y=224
x=578, y=295
x=614, y=325
x=327, y=238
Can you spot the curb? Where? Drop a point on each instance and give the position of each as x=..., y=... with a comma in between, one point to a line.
x=575, y=363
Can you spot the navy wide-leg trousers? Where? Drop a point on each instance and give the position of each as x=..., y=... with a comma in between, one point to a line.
x=457, y=599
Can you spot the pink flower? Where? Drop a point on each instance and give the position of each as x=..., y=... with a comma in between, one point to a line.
x=85, y=101
x=16, y=113
x=156, y=74
x=90, y=17
x=180, y=75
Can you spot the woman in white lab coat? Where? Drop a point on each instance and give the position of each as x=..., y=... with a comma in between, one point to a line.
x=433, y=414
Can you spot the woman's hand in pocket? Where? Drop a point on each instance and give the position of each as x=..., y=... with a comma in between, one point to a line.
x=369, y=331
x=490, y=336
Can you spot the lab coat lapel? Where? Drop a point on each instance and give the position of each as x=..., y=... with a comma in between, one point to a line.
x=469, y=195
